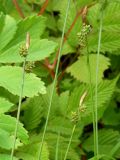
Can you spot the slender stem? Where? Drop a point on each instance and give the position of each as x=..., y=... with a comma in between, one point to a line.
x=91, y=94
x=43, y=7
x=68, y=147
x=96, y=85
x=55, y=79
x=67, y=34
x=19, y=107
x=18, y=8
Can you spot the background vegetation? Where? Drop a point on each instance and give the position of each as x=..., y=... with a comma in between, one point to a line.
x=60, y=88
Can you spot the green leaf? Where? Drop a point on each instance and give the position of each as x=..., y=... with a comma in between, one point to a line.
x=6, y=140
x=64, y=126
x=109, y=42
x=4, y=93
x=107, y=139
x=55, y=108
x=36, y=108
x=7, y=157
x=8, y=123
x=80, y=68
x=63, y=101
x=39, y=50
x=5, y=105
x=8, y=30
x=31, y=152
x=33, y=112
x=111, y=115
x=2, y=21
x=51, y=140
x=35, y=25
x=111, y=17
x=11, y=78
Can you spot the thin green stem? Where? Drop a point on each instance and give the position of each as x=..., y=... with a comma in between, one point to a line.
x=92, y=99
x=55, y=79
x=19, y=107
x=68, y=147
x=57, y=147
x=96, y=85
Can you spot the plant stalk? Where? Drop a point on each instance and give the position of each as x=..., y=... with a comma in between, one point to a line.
x=19, y=107
x=96, y=86
x=68, y=147
x=55, y=79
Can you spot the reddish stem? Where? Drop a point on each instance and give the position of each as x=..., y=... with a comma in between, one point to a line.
x=84, y=157
x=82, y=12
x=25, y=1
x=66, y=36
x=18, y=8
x=43, y=7
x=47, y=64
x=49, y=70
x=72, y=25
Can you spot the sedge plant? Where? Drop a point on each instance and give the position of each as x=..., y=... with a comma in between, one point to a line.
x=23, y=53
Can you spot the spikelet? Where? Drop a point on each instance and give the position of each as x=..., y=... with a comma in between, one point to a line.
x=74, y=117
x=83, y=35
x=24, y=47
x=29, y=66
x=23, y=51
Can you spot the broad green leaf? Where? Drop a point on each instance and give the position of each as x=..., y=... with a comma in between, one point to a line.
x=33, y=112
x=51, y=140
x=80, y=70
x=35, y=25
x=39, y=50
x=107, y=139
x=55, y=109
x=11, y=78
x=110, y=42
x=2, y=21
x=63, y=101
x=64, y=126
x=5, y=105
x=51, y=22
x=6, y=140
x=7, y=157
x=111, y=115
x=31, y=152
x=8, y=30
x=8, y=123
x=4, y=93
x=111, y=17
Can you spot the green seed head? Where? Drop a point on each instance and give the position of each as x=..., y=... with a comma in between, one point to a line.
x=23, y=51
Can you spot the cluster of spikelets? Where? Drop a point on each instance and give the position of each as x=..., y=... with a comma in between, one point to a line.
x=24, y=52
x=82, y=36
